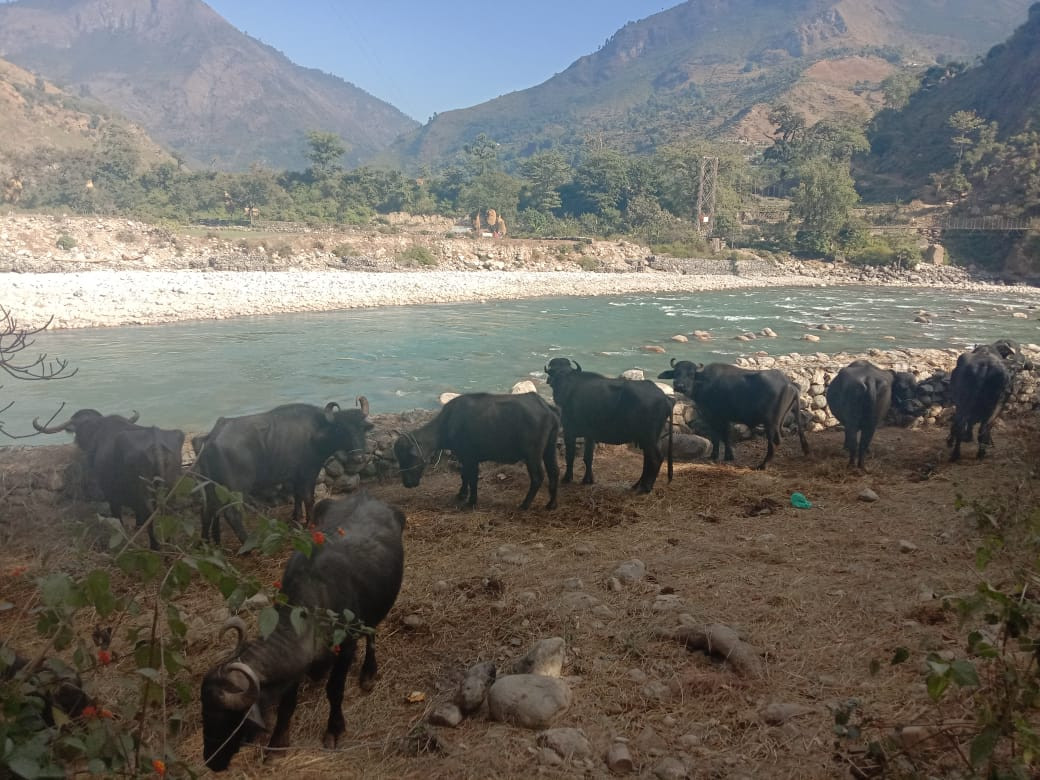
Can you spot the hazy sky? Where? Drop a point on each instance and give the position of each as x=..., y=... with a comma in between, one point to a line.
x=425, y=56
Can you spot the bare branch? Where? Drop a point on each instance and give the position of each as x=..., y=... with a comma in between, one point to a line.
x=15, y=339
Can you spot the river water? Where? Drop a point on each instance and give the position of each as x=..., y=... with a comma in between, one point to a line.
x=186, y=375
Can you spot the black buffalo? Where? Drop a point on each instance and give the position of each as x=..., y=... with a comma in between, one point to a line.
x=125, y=460
x=480, y=426
x=51, y=685
x=860, y=396
x=613, y=411
x=725, y=394
x=979, y=385
x=358, y=570
x=288, y=444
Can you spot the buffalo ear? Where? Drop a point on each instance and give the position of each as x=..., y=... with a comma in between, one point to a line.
x=546, y=368
x=672, y=363
x=700, y=366
x=667, y=374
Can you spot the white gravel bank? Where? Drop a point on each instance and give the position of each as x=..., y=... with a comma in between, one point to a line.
x=110, y=298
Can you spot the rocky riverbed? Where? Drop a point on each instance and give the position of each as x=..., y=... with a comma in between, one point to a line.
x=89, y=272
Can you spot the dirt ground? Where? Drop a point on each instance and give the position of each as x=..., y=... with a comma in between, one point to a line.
x=821, y=592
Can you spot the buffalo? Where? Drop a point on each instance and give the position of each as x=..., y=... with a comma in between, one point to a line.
x=860, y=396
x=54, y=686
x=125, y=460
x=613, y=411
x=355, y=573
x=979, y=385
x=725, y=394
x=288, y=444
x=478, y=427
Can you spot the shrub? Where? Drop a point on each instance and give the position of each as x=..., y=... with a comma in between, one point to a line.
x=587, y=263
x=65, y=242
x=416, y=256
x=126, y=237
x=345, y=251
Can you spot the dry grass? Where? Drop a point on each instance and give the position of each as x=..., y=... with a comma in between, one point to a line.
x=821, y=592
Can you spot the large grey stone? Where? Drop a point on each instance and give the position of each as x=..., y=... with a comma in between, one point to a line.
x=528, y=700
x=568, y=743
x=474, y=687
x=545, y=658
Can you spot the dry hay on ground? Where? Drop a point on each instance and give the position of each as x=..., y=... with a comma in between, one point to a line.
x=820, y=592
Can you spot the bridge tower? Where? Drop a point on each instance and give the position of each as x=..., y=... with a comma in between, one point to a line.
x=707, y=187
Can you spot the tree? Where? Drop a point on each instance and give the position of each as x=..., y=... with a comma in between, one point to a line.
x=966, y=124
x=822, y=200
x=899, y=87
x=324, y=150
x=15, y=339
x=545, y=173
x=482, y=153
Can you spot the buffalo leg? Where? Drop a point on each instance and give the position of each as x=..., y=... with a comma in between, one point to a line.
x=470, y=473
x=463, y=492
x=143, y=517
x=537, y=476
x=286, y=708
x=651, y=467
x=771, y=436
x=955, y=439
x=369, y=668
x=850, y=443
x=727, y=432
x=569, y=446
x=866, y=436
x=588, y=452
x=334, y=691
x=552, y=468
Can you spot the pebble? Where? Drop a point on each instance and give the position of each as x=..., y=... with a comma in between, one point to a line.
x=906, y=546
x=866, y=494
x=446, y=714
x=619, y=759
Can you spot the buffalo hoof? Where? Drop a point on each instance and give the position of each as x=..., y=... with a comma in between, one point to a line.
x=367, y=684
x=588, y=480
x=568, y=477
x=551, y=505
x=329, y=740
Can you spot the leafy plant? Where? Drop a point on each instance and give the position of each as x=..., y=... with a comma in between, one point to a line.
x=416, y=255
x=139, y=595
x=65, y=242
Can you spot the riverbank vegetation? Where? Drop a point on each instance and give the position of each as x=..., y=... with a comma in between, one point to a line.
x=804, y=193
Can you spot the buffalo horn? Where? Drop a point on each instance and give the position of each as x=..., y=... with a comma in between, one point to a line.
x=133, y=416
x=243, y=698
x=330, y=409
x=672, y=363
x=53, y=429
x=236, y=624
x=363, y=403
x=578, y=365
x=547, y=368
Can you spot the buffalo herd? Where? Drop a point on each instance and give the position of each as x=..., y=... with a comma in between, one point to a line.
x=356, y=573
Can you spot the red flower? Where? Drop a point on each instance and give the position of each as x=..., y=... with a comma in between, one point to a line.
x=18, y=571
x=341, y=532
x=336, y=649
x=277, y=584
x=159, y=766
x=104, y=657
x=318, y=537
x=90, y=711
x=106, y=713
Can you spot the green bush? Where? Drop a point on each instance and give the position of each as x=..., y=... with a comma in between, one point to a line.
x=65, y=242
x=344, y=251
x=416, y=256
x=886, y=253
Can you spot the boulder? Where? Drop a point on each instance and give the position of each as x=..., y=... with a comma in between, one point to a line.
x=531, y=701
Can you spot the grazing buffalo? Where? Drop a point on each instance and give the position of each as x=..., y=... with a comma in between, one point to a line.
x=725, y=394
x=613, y=411
x=979, y=385
x=480, y=426
x=357, y=570
x=288, y=444
x=49, y=684
x=860, y=396
x=125, y=459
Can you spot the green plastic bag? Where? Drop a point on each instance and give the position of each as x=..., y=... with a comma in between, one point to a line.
x=799, y=501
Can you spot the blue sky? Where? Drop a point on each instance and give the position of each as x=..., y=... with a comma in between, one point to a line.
x=425, y=56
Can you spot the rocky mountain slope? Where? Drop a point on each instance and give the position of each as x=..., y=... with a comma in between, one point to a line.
x=35, y=114
x=711, y=69
x=197, y=84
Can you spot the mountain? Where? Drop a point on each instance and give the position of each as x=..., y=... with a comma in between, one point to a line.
x=208, y=91
x=35, y=114
x=1004, y=88
x=712, y=68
